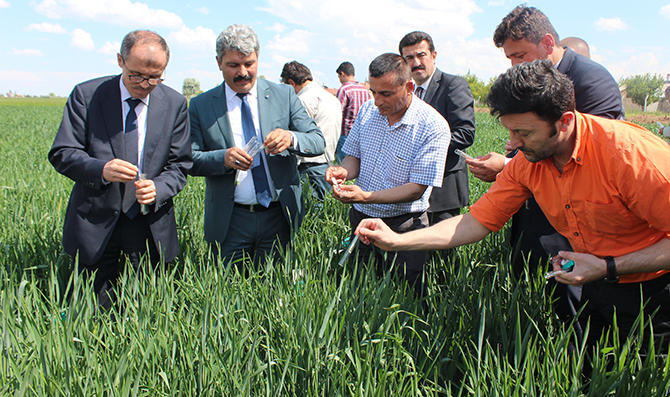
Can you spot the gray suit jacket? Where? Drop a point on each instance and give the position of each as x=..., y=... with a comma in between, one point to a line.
x=90, y=135
x=211, y=136
x=450, y=95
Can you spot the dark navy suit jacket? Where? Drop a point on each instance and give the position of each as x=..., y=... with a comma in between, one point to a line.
x=90, y=135
x=450, y=95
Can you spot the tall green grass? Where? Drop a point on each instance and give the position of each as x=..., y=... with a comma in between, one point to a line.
x=195, y=328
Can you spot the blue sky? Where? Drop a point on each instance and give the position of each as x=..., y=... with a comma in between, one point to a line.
x=48, y=46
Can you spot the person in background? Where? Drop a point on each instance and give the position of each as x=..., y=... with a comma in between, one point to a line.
x=326, y=111
x=352, y=95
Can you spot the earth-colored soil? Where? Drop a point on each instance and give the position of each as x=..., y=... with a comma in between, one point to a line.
x=648, y=118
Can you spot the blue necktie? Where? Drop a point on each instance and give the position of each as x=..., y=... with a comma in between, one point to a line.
x=130, y=205
x=263, y=195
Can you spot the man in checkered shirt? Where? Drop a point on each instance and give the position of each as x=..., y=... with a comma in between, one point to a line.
x=396, y=152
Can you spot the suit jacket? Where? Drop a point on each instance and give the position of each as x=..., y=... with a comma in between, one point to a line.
x=450, y=95
x=90, y=135
x=596, y=91
x=211, y=136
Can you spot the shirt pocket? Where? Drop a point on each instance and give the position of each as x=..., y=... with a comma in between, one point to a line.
x=400, y=167
x=608, y=219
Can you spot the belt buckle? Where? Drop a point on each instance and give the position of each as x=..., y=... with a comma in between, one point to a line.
x=251, y=207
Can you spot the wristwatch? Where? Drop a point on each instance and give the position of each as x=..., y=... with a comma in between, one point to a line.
x=611, y=278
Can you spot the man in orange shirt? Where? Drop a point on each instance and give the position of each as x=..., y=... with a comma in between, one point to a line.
x=603, y=184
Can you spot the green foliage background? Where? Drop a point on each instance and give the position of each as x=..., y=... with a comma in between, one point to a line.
x=194, y=328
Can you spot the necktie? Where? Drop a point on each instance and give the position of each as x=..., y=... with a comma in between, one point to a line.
x=263, y=195
x=130, y=205
x=418, y=92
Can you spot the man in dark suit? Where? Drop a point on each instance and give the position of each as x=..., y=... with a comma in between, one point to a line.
x=115, y=129
x=450, y=95
x=252, y=204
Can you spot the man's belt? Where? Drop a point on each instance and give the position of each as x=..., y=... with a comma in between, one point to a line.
x=258, y=207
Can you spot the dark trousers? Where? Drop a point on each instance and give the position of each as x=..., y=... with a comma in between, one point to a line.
x=130, y=238
x=257, y=233
x=409, y=264
x=601, y=299
x=316, y=173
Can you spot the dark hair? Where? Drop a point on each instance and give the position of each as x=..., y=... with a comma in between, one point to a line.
x=532, y=87
x=347, y=68
x=416, y=38
x=524, y=23
x=143, y=37
x=295, y=71
x=390, y=63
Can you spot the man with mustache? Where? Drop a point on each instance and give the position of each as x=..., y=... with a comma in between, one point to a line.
x=395, y=151
x=252, y=204
x=450, y=95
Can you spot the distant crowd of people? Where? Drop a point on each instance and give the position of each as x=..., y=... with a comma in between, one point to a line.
x=587, y=188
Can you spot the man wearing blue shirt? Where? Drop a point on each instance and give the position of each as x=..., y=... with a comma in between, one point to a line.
x=396, y=151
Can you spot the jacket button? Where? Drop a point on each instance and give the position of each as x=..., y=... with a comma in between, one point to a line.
x=116, y=213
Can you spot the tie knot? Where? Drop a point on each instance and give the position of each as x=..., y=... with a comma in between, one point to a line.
x=133, y=102
x=242, y=95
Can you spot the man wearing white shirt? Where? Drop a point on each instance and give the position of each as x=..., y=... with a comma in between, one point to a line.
x=252, y=204
x=326, y=111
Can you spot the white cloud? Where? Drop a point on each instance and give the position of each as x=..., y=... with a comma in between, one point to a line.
x=27, y=52
x=198, y=39
x=203, y=10
x=4, y=4
x=610, y=24
x=47, y=28
x=277, y=28
x=110, y=48
x=665, y=11
x=82, y=40
x=118, y=12
x=295, y=41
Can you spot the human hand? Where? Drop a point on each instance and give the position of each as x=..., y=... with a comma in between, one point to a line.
x=277, y=141
x=145, y=191
x=588, y=268
x=487, y=167
x=351, y=194
x=238, y=159
x=118, y=170
x=375, y=231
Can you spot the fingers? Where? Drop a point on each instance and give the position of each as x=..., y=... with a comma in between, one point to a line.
x=145, y=191
x=238, y=159
x=277, y=141
x=118, y=170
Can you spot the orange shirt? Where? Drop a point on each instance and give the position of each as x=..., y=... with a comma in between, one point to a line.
x=613, y=197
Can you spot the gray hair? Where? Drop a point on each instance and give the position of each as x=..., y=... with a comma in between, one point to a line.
x=240, y=38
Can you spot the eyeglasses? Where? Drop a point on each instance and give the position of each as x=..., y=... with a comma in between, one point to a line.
x=139, y=80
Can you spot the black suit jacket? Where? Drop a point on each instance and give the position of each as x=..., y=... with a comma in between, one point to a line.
x=450, y=95
x=90, y=135
x=596, y=91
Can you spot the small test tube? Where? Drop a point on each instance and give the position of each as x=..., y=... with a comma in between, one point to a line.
x=566, y=267
x=349, y=250
x=463, y=154
x=332, y=178
x=144, y=208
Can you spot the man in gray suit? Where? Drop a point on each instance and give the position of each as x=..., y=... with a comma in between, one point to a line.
x=252, y=204
x=114, y=129
x=450, y=95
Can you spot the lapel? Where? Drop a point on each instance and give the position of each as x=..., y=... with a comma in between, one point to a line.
x=566, y=62
x=220, y=109
x=265, y=117
x=433, y=86
x=112, y=116
x=155, y=122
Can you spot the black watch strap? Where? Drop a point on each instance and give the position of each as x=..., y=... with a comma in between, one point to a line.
x=611, y=278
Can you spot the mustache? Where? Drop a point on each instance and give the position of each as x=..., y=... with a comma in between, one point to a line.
x=237, y=79
x=420, y=67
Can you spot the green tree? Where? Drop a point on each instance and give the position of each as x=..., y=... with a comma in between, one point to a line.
x=480, y=90
x=191, y=88
x=641, y=87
